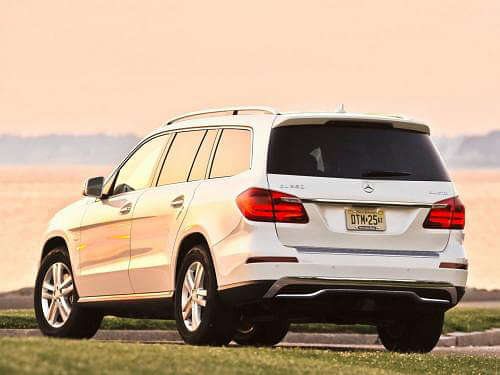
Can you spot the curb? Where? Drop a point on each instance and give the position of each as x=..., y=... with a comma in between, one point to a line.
x=490, y=337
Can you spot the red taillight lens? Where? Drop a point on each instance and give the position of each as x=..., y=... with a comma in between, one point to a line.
x=267, y=205
x=446, y=214
x=256, y=204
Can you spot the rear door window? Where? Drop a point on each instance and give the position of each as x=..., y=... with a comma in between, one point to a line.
x=201, y=161
x=233, y=154
x=360, y=151
x=180, y=157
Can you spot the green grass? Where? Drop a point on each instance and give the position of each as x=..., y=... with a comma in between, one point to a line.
x=472, y=319
x=26, y=319
x=458, y=319
x=49, y=356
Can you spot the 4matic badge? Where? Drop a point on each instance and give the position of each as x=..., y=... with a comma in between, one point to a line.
x=292, y=186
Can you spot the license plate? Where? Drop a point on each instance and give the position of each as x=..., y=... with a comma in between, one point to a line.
x=369, y=219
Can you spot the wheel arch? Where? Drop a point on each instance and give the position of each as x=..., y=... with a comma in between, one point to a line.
x=59, y=240
x=51, y=244
x=186, y=244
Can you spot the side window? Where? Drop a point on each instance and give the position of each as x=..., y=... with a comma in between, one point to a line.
x=201, y=161
x=233, y=153
x=180, y=157
x=136, y=173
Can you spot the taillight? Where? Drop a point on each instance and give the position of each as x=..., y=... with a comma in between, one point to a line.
x=446, y=214
x=267, y=205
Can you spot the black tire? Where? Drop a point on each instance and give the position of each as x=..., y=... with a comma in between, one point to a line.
x=420, y=334
x=81, y=323
x=218, y=322
x=262, y=334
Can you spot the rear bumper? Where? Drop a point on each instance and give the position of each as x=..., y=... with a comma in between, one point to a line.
x=380, y=294
x=425, y=292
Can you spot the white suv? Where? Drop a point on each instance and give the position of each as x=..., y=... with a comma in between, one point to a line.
x=237, y=222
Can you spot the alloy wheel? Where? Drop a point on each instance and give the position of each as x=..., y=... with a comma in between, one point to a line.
x=194, y=296
x=57, y=295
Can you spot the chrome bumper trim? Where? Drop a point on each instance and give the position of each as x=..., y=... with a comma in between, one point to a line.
x=362, y=203
x=330, y=282
x=126, y=297
x=341, y=251
x=361, y=291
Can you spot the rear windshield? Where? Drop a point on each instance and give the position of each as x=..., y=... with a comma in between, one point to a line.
x=362, y=151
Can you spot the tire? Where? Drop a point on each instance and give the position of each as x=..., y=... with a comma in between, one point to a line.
x=417, y=335
x=262, y=334
x=208, y=322
x=66, y=319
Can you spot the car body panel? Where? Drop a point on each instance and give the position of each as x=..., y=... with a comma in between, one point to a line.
x=232, y=239
x=327, y=199
x=154, y=231
x=105, y=246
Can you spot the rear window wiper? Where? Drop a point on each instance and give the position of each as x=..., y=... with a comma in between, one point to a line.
x=380, y=173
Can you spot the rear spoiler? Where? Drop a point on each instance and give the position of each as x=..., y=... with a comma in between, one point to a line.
x=396, y=122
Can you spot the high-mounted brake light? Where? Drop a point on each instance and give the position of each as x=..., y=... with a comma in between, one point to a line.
x=267, y=205
x=446, y=214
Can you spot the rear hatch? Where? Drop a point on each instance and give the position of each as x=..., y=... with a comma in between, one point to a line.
x=365, y=186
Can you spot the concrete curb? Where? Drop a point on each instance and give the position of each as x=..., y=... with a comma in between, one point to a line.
x=490, y=337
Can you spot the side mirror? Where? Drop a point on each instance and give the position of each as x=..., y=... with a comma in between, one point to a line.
x=92, y=187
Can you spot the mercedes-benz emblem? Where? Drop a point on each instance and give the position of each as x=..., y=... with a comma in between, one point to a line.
x=368, y=188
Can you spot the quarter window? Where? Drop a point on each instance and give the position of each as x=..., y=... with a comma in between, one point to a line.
x=136, y=173
x=180, y=157
x=233, y=153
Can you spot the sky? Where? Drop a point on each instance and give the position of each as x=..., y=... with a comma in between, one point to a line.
x=80, y=67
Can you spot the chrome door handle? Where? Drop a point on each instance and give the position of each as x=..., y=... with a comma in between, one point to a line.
x=177, y=202
x=126, y=208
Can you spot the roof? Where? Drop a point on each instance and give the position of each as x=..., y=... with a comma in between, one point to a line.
x=262, y=116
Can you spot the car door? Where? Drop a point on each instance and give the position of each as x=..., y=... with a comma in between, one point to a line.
x=160, y=211
x=105, y=229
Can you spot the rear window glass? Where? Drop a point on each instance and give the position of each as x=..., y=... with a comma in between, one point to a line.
x=362, y=151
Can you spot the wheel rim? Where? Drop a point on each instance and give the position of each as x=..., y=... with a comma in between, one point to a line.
x=246, y=328
x=57, y=295
x=194, y=296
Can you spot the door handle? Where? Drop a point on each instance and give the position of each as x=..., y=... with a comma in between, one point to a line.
x=177, y=202
x=126, y=208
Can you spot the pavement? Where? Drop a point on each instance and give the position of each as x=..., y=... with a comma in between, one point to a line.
x=16, y=302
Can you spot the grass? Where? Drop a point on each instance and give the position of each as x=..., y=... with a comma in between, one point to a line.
x=459, y=319
x=42, y=356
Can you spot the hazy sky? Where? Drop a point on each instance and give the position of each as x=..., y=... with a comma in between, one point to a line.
x=127, y=66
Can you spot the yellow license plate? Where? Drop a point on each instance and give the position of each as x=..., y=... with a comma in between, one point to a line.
x=369, y=219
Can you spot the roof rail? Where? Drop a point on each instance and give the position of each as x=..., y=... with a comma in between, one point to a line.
x=234, y=110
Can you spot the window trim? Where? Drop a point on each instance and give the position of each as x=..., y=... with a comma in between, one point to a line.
x=217, y=132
